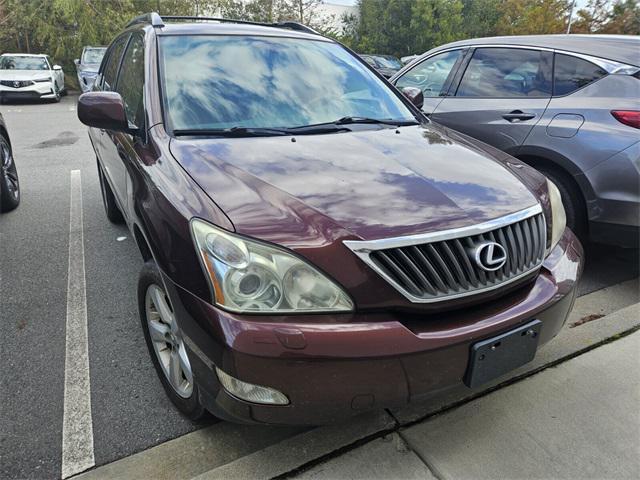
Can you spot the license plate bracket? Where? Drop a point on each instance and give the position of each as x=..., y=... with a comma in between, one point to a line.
x=496, y=356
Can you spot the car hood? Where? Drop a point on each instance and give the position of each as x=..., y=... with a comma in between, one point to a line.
x=24, y=74
x=371, y=184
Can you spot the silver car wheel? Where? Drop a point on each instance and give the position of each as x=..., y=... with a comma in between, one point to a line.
x=167, y=341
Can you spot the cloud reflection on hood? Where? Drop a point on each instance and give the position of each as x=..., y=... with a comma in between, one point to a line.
x=373, y=184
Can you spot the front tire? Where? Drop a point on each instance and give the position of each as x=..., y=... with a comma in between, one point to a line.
x=164, y=341
x=108, y=199
x=9, y=184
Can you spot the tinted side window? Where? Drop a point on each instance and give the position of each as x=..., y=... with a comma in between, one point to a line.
x=572, y=73
x=131, y=81
x=111, y=68
x=507, y=72
x=430, y=75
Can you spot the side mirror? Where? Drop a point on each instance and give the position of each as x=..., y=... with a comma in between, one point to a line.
x=57, y=67
x=76, y=61
x=103, y=110
x=414, y=95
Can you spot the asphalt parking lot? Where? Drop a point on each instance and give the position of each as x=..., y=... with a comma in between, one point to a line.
x=129, y=410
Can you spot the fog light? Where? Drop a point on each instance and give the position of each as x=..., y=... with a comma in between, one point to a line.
x=250, y=392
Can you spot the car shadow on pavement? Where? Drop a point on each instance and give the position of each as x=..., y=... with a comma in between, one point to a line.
x=607, y=265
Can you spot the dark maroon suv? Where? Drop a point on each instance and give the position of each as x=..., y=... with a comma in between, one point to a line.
x=314, y=246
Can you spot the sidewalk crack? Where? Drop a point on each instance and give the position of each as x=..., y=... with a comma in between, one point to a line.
x=434, y=471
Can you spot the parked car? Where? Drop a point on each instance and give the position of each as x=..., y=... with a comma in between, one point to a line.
x=387, y=65
x=30, y=77
x=568, y=105
x=314, y=247
x=87, y=66
x=9, y=184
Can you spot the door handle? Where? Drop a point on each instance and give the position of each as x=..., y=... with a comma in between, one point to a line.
x=518, y=115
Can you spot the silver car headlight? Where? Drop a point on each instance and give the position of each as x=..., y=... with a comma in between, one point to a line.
x=558, y=216
x=251, y=276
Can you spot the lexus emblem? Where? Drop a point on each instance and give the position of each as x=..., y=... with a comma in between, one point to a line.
x=16, y=84
x=490, y=256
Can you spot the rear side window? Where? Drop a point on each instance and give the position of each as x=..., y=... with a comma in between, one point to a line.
x=131, y=81
x=111, y=68
x=572, y=73
x=507, y=72
x=431, y=75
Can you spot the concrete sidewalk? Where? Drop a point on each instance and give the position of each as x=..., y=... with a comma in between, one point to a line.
x=580, y=419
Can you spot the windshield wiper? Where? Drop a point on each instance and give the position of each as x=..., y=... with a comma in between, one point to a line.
x=319, y=128
x=351, y=120
x=340, y=125
x=231, y=132
x=329, y=127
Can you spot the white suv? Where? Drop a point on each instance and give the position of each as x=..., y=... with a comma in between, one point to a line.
x=26, y=76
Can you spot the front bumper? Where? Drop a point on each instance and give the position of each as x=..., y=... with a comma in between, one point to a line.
x=334, y=366
x=31, y=92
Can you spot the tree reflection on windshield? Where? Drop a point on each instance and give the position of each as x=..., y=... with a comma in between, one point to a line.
x=213, y=82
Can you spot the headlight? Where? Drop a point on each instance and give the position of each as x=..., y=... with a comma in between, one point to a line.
x=558, y=217
x=41, y=80
x=250, y=276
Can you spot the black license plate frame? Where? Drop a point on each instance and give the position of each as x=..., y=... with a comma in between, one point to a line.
x=493, y=357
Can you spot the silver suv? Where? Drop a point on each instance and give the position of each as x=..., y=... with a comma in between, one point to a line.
x=568, y=105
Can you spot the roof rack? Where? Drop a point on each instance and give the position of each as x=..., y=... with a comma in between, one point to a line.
x=156, y=20
x=152, y=19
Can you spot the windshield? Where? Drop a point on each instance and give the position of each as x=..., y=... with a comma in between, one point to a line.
x=8, y=62
x=217, y=82
x=93, y=55
x=389, y=62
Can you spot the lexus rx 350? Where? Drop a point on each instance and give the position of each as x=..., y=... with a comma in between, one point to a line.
x=314, y=247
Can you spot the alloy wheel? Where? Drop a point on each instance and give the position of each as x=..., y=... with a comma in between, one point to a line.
x=167, y=341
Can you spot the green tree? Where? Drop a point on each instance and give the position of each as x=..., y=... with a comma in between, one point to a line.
x=591, y=18
x=435, y=22
x=403, y=27
x=624, y=18
x=481, y=17
x=533, y=17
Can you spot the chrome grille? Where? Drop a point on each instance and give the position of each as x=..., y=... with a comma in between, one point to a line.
x=16, y=83
x=442, y=265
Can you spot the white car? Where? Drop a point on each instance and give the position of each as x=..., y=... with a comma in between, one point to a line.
x=27, y=76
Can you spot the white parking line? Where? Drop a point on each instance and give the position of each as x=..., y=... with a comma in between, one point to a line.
x=77, y=425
